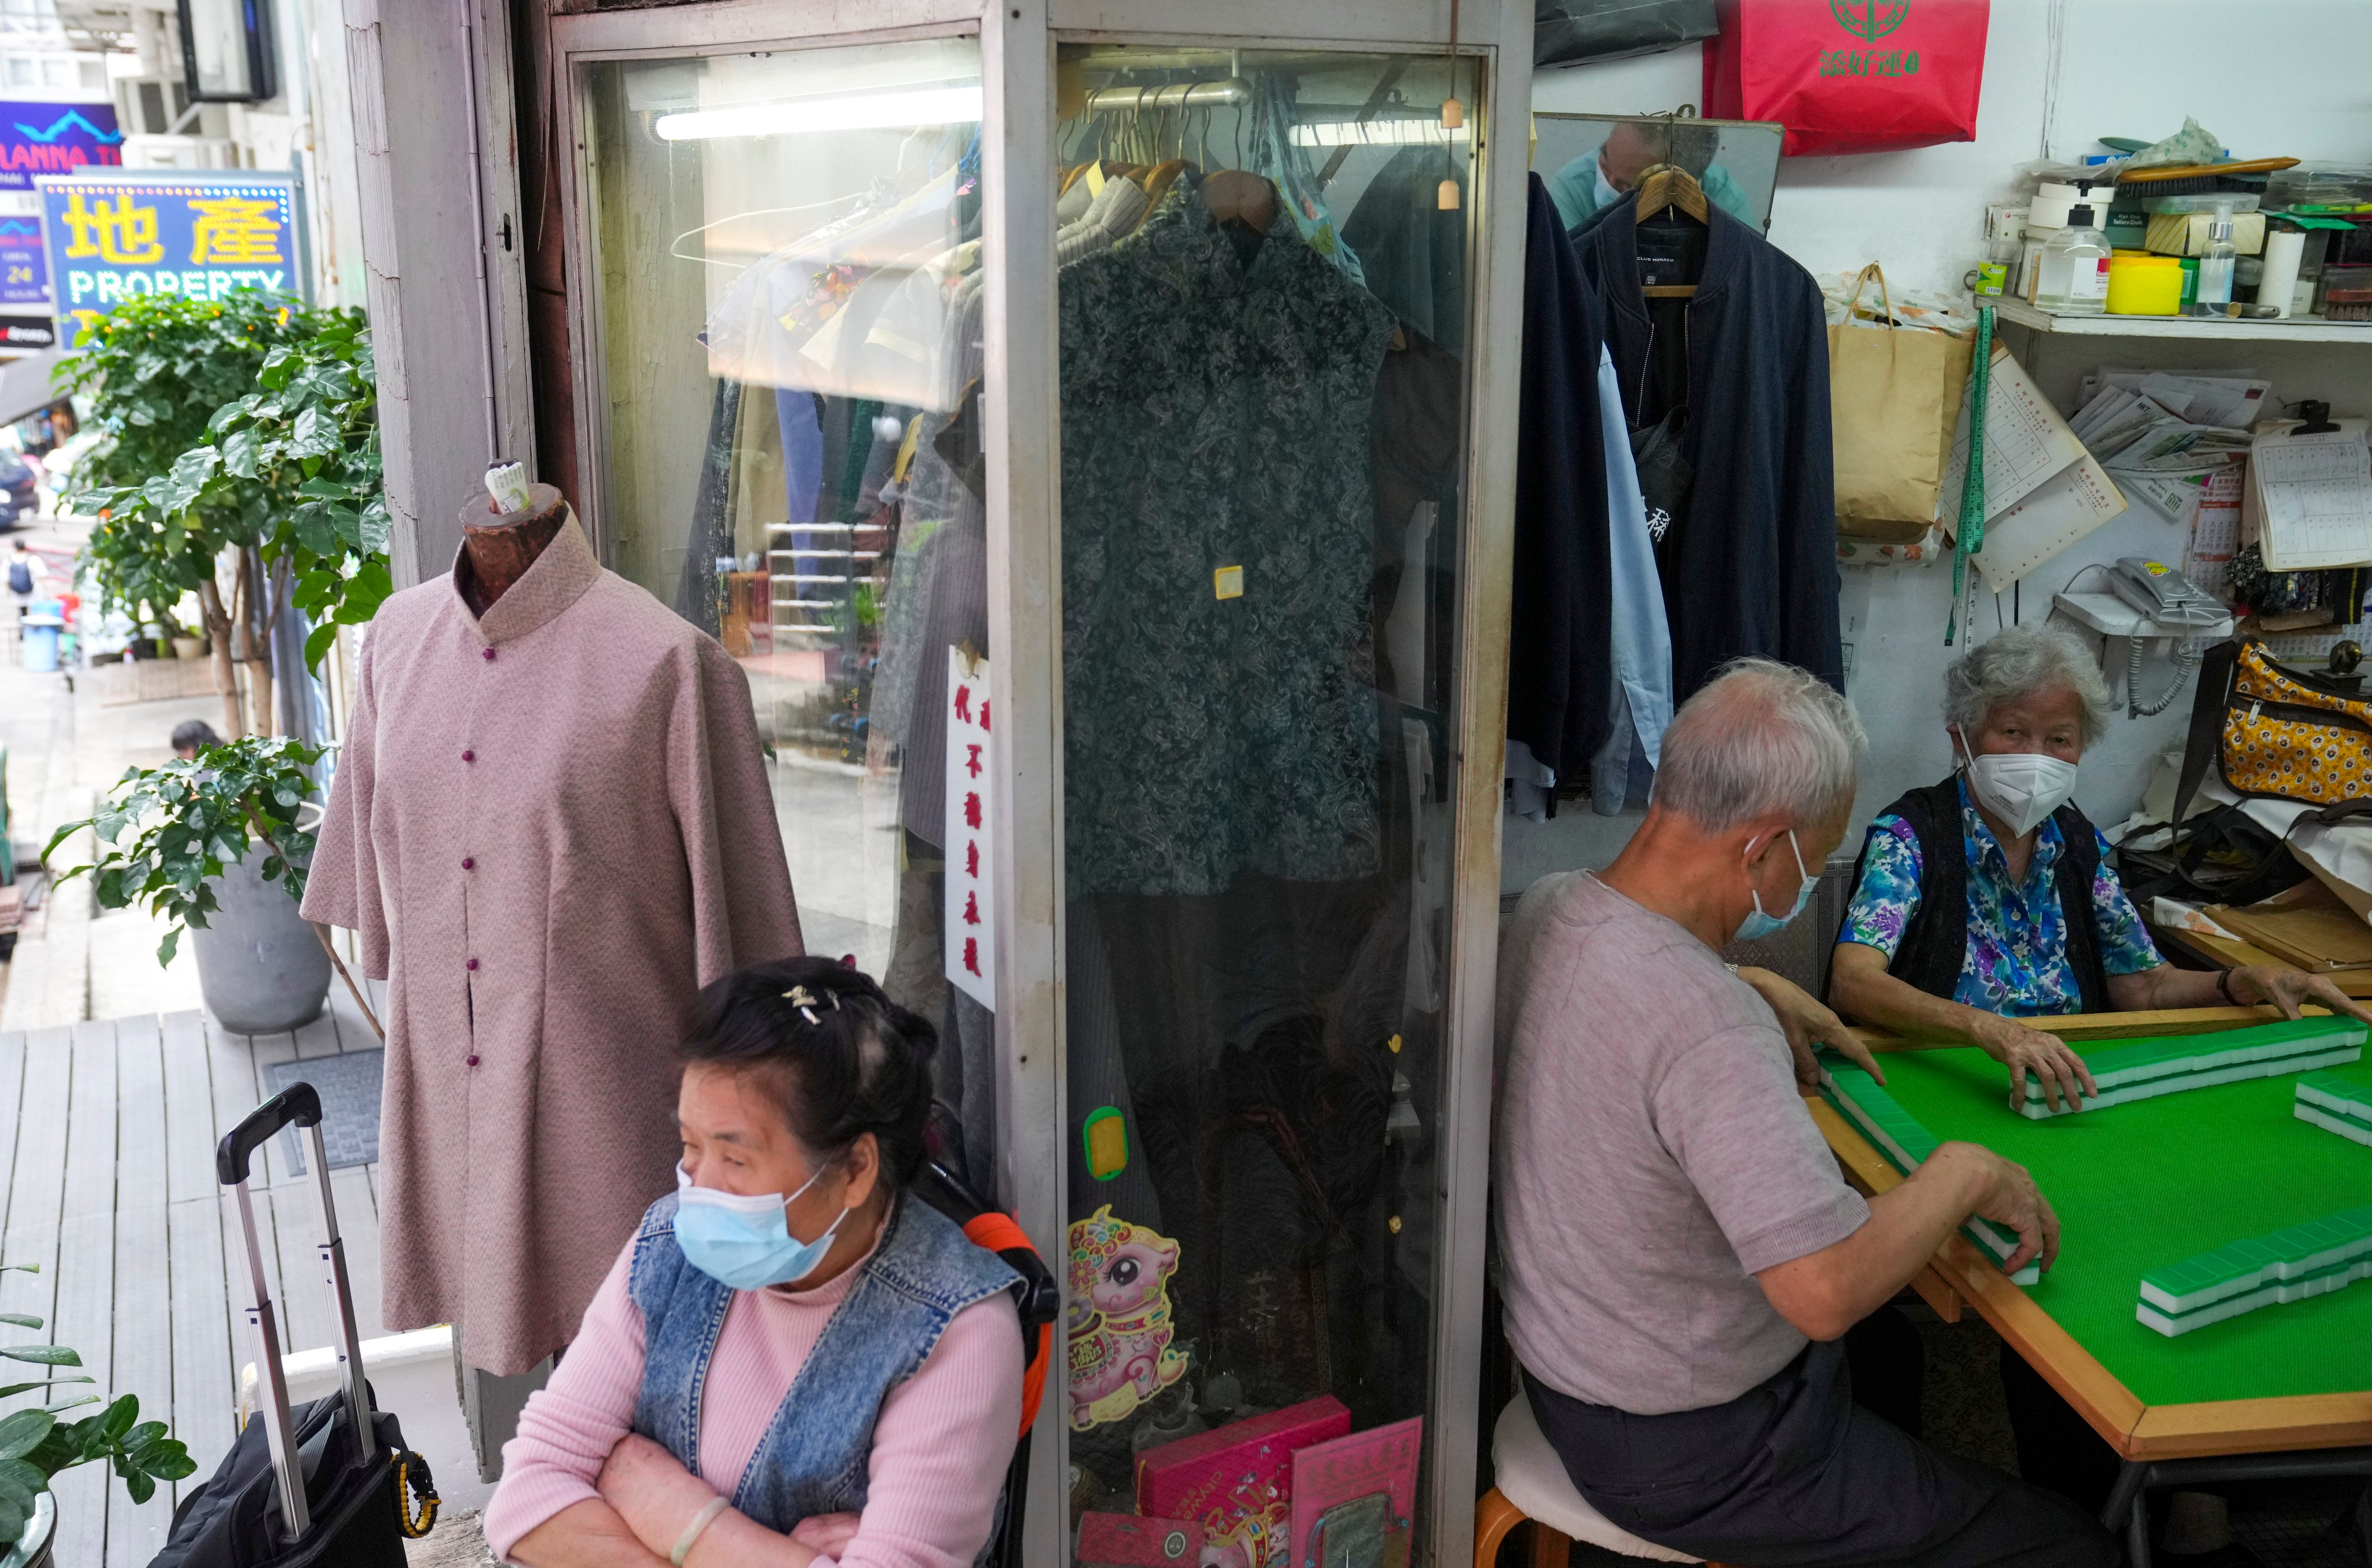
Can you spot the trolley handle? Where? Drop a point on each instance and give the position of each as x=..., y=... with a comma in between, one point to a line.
x=298, y=1105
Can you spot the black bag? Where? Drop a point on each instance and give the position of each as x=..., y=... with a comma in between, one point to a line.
x=2223, y=856
x=1565, y=31
x=350, y=1491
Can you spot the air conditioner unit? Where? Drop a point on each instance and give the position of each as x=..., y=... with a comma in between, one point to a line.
x=179, y=152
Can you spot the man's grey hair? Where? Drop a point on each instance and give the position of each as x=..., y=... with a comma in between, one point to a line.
x=1761, y=739
x=2021, y=662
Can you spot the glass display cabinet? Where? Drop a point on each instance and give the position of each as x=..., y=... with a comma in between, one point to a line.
x=1091, y=425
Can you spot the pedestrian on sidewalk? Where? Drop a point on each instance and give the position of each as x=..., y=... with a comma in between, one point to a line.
x=29, y=577
x=191, y=736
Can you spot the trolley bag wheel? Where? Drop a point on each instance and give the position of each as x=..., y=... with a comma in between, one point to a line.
x=331, y=1482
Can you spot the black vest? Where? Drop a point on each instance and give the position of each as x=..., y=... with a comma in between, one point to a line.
x=1935, y=942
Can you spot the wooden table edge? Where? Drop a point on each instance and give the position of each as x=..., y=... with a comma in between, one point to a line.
x=2101, y=1026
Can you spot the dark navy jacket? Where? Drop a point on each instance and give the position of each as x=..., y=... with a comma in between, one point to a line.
x=1751, y=566
x=1560, y=658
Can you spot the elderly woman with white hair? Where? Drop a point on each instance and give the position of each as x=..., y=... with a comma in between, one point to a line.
x=1989, y=898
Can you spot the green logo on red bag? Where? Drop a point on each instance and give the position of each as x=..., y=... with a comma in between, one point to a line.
x=1870, y=20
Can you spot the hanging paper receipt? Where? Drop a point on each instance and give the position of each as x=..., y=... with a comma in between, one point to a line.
x=2043, y=491
x=2310, y=497
x=970, y=923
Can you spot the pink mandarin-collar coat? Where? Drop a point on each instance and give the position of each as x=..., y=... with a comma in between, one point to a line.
x=550, y=828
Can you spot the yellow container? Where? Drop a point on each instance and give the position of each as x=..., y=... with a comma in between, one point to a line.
x=2145, y=285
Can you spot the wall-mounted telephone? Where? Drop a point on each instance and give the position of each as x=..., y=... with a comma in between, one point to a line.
x=2165, y=595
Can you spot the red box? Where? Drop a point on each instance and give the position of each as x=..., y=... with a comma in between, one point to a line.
x=1237, y=1481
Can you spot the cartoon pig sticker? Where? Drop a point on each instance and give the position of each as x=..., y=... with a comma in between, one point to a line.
x=1119, y=1322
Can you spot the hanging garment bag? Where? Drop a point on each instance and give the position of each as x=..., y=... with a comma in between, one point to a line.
x=325, y=1483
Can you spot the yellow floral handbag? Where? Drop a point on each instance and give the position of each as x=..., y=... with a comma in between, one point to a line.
x=2280, y=732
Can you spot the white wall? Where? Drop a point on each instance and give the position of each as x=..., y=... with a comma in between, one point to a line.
x=2268, y=77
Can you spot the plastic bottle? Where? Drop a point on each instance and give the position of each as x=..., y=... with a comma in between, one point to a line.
x=2216, y=262
x=2073, y=271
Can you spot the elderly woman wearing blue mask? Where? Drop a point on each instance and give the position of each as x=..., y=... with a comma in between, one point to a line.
x=1988, y=897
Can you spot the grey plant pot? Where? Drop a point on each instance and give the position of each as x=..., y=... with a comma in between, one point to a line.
x=32, y=1551
x=261, y=968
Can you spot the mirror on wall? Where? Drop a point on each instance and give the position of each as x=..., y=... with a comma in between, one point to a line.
x=1590, y=161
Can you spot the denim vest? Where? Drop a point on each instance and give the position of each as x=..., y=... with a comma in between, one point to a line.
x=813, y=1458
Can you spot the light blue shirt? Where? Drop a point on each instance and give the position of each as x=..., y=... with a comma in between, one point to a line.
x=1580, y=188
x=1642, y=638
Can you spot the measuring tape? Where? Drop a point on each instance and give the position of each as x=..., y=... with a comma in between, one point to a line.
x=1971, y=532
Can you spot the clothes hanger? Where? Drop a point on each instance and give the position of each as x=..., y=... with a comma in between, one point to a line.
x=1663, y=188
x=1241, y=196
x=674, y=244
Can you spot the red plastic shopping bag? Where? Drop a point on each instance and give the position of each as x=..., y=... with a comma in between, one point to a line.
x=1850, y=76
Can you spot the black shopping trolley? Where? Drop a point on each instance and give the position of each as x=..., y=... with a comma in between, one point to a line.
x=330, y=1483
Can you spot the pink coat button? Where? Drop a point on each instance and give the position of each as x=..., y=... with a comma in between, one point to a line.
x=489, y=655
x=473, y=1060
x=470, y=964
x=469, y=756
x=469, y=864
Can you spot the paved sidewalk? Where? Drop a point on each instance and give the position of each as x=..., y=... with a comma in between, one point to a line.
x=74, y=961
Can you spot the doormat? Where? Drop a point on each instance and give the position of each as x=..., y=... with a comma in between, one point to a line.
x=348, y=1085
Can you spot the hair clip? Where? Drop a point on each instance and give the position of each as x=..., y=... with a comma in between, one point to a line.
x=800, y=997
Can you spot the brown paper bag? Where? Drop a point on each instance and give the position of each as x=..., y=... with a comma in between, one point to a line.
x=1894, y=397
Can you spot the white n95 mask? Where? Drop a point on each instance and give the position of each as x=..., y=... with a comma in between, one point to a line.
x=2021, y=787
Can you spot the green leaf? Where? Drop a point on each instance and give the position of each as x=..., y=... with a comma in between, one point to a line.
x=167, y=947
x=21, y=1432
x=42, y=1355
x=20, y=1319
x=120, y=1416
x=25, y=1474
x=14, y=1516
x=70, y=1404
x=28, y=1387
x=137, y=1482
x=318, y=643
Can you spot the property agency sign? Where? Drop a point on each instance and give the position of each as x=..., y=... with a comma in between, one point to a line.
x=40, y=138
x=197, y=234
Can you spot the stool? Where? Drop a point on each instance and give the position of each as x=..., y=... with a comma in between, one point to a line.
x=1532, y=1485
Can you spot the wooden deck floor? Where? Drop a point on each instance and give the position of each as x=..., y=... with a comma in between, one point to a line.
x=107, y=1138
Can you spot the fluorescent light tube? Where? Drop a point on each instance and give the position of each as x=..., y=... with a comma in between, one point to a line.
x=854, y=111
x=1375, y=133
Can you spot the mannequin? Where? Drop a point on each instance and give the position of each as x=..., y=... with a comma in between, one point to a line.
x=500, y=546
x=551, y=826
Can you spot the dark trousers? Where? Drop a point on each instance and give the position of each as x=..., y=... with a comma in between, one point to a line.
x=1794, y=1472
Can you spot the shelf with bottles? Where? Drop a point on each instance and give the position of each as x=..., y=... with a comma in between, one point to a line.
x=2288, y=329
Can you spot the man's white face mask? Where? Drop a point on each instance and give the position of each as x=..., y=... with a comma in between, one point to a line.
x=2019, y=787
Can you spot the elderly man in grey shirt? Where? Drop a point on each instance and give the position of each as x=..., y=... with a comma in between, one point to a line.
x=1682, y=1263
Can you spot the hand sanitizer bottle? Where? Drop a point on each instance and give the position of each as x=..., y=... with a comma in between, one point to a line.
x=2216, y=262
x=2073, y=271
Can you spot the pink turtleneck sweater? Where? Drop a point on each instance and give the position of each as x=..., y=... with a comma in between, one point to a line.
x=939, y=1448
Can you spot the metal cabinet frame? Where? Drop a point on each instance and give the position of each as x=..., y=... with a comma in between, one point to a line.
x=1017, y=45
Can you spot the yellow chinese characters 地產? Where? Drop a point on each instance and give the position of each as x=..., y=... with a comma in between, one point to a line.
x=235, y=231
x=117, y=231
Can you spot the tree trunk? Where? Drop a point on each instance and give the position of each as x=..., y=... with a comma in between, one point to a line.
x=218, y=627
x=255, y=631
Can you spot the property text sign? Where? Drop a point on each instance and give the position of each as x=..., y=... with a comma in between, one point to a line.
x=200, y=234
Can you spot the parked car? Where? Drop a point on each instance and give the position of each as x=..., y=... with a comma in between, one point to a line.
x=20, y=500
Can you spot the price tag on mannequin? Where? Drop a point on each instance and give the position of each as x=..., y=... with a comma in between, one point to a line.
x=971, y=951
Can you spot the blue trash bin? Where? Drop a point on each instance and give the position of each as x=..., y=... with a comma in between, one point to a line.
x=43, y=625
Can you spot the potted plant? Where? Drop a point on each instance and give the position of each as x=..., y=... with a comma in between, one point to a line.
x=178, y=838
x=240, y=464
x=35, y=1445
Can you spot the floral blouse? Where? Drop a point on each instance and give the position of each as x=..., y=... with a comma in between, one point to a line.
x=1218, y=556
x=2017, y=963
